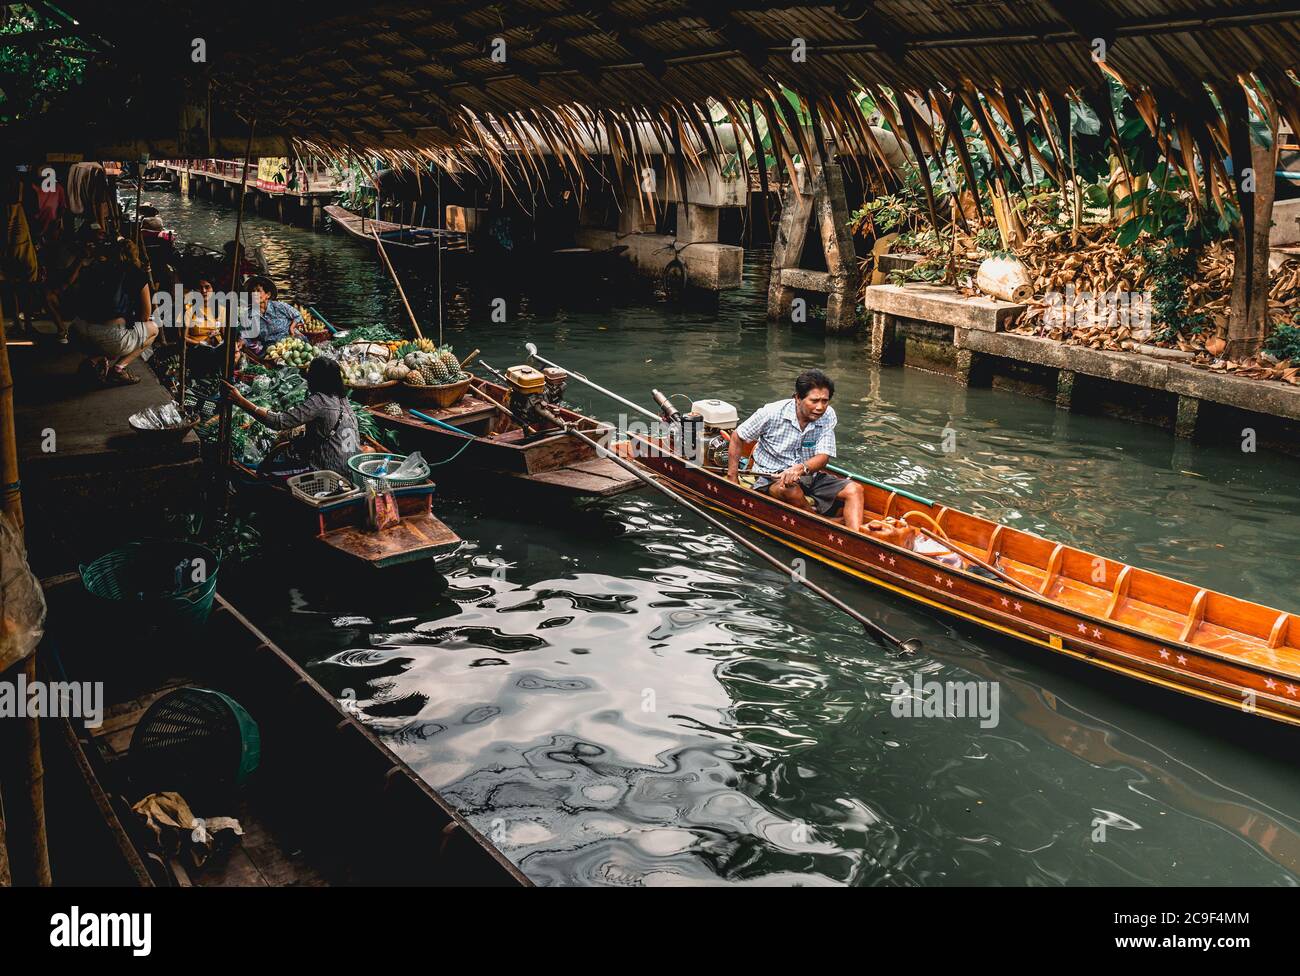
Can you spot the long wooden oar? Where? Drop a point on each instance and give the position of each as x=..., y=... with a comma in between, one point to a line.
x=389, y=265
x=911, y=645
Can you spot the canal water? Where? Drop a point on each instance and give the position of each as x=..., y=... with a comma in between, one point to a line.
x=618, y=695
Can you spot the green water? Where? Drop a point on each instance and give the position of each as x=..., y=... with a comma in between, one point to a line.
x=619, y=695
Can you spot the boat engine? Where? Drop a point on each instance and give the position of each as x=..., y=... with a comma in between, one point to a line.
x=556, y=379
x=528, y=401
x=720, y=418
x=685, y=434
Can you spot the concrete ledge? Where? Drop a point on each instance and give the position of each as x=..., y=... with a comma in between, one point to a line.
x=710, y=266
x=940, y=304
x=806, y=280
x=1259, y=396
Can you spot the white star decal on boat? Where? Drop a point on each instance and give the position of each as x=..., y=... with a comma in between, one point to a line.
x=938, y=578
x=1006, y=602
x=1096, y=633
x=1270, y=684
x=1016, y=607
x=949, y=584
x=1290, y=690
x=891, y=560
x=1083, y=628
x=1164, y=654
x=882, y=557
x=1182, y=659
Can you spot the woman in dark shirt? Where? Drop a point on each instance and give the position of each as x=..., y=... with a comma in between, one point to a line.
x=332, y=436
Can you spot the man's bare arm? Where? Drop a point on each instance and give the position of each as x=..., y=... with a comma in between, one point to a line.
x=738, y=446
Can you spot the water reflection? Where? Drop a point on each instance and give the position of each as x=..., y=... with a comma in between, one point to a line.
x=620, y=696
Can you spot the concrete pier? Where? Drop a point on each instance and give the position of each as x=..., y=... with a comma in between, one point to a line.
x=932, y=327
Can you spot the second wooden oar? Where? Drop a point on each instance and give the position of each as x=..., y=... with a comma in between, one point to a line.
x=393, y=272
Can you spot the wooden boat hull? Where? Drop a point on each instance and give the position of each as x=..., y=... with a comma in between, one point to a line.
x=1130, y=621
x=330, y=804
x=554, y=462
x=340, y=527
x=400, y=240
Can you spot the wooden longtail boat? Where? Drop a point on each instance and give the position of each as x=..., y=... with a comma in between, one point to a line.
x=400, y=238
x=1128, y=620
x=494, y=443
x=329, y=805
x=341, y=526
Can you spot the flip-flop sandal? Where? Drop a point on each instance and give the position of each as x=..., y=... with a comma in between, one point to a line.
x=121, y=377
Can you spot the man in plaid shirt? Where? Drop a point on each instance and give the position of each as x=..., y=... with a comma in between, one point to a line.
x=792, y=441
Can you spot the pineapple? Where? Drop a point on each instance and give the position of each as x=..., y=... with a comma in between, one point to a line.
x=449, y=359
x=435, y=372
x=415, y=378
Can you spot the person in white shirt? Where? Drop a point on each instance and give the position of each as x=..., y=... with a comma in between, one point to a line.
x=793, y=440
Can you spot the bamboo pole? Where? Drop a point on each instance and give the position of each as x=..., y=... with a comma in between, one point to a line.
x=22, y=756
x=389, y=265
x=223, y=436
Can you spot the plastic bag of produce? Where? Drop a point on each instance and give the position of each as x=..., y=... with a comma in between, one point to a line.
x=22, y=604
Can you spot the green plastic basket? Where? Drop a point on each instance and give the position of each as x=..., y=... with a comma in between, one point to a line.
x=165, y=587
x=196, y=741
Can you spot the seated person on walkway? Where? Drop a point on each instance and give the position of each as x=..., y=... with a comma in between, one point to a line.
x=792, y=441
x=275, y=320
x=116, y=318
x=331, y=437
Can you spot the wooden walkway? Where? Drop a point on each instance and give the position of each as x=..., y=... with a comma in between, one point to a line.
x=89, y=481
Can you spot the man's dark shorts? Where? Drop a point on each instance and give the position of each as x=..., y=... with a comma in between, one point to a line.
x=822, y=488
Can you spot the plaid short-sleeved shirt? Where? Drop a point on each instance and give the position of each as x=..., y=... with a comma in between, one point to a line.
x=781, y=441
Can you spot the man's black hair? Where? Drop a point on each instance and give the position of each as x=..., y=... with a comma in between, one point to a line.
x=813, y=379
x=325, y=376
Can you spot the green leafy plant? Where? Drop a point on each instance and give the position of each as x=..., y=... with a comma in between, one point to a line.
x=1170, y=271
x=33, y=75
x=1284, y=343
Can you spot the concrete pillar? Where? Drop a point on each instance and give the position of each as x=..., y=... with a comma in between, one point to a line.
x=885, y=348
x=841, y=312
x=1185, y=422
x=697, y=223
x=973, y=368
x=635, y=217
x=1065, y=389
x=317, y=215
x=279, y=208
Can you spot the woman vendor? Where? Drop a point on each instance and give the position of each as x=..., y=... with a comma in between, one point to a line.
x=204, y=321
x=332, y=436
x=272, y=320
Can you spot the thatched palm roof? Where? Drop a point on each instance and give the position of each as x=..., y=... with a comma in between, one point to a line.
x=404, y=75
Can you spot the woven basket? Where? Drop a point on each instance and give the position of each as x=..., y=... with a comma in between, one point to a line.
x=437, y=396
x=378, y=393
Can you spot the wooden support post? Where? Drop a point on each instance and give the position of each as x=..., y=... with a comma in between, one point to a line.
x=796, y=208
x=21, y=766
x=841, y=263
x=825, y=199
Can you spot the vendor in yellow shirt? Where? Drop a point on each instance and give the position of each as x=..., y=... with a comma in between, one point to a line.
x=204, y=321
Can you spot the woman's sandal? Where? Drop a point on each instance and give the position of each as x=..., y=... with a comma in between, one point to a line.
x=120, y=376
